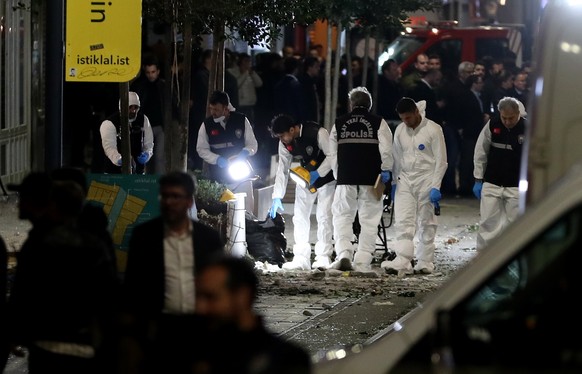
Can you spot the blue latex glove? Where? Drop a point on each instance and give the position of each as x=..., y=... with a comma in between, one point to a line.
x=276, y=205
x=477, y=187
x=385, y=175
x=143, y=158
x=313, y=175
x=222, y=162
x=435, y=195
x=119, y=162
x=243, y=155
x=393, y=192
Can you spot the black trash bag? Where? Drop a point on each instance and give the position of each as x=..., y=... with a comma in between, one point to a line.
x=266, y=239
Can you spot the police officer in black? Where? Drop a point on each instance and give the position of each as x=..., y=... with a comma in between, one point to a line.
x=362, y=142
x=497, y=161
x=307, y=142
x=224, y=136
x=141, y=138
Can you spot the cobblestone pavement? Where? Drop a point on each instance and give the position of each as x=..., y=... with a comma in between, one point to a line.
x=325, y=309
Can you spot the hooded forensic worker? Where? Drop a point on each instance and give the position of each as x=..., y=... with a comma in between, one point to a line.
x=140, y=136
x=420, y=162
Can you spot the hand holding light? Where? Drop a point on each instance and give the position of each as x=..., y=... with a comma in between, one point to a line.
x=222, y=162
x=119, y=162
x=313, y=176
x=243, y=155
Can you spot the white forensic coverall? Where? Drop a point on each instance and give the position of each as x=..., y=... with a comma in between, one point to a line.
x=109, y=139
x=420, y=162
x=304, y=201
x=352, y=199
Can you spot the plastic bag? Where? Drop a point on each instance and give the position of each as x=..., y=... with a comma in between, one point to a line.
x=266, y=239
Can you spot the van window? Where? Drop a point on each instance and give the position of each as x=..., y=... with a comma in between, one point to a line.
x=522, y=319
x=494, y=47
x=401, y=48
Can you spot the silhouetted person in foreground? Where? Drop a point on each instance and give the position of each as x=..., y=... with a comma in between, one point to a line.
x=62, y=303
x=164, y=256
x=226, y=289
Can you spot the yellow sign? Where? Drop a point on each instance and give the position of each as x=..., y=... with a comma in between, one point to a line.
x=103, y=40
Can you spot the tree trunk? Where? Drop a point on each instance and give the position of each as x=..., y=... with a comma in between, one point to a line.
x=124, y=127
x=220, y=64
x=375, y=76
x=182, y=124
x=212, y=73
x=336, y=75
x=366, y=58
x=216, y=75
x=349, y=60
x=169, y=67
x=327, y=116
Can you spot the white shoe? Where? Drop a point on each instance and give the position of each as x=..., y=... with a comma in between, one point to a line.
x=423, y=267
x=397, y=266
x=298, y=263
x=363, y=268
x=321, y=262
x=343, y=264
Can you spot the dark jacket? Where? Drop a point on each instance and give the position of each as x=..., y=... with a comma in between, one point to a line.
x=472, y=113
x=64, y=283
x=289, y=97
x=257, y=351
x=144, y=282
x=422, y=91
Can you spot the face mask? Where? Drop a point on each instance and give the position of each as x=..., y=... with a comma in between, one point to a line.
x=132, y=115
x=219, y=119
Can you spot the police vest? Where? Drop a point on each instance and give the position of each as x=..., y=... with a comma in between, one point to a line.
x=136, y=138
x=226, y=142
x=306, y=149
x=358, y=155
x=504, y=159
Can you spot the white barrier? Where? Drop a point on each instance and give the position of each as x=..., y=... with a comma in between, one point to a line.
x=236, y=233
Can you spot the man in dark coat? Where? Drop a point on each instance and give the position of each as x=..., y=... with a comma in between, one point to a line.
x=226, y=290
x=163, y=258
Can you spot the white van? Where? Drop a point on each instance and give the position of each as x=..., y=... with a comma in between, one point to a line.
x=554, y=139
x=512, y=309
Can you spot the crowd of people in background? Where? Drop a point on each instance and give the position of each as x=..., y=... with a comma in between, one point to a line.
x=267, y=84
x=279, y=96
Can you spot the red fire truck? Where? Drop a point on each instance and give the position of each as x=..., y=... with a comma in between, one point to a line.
x=454, y=44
